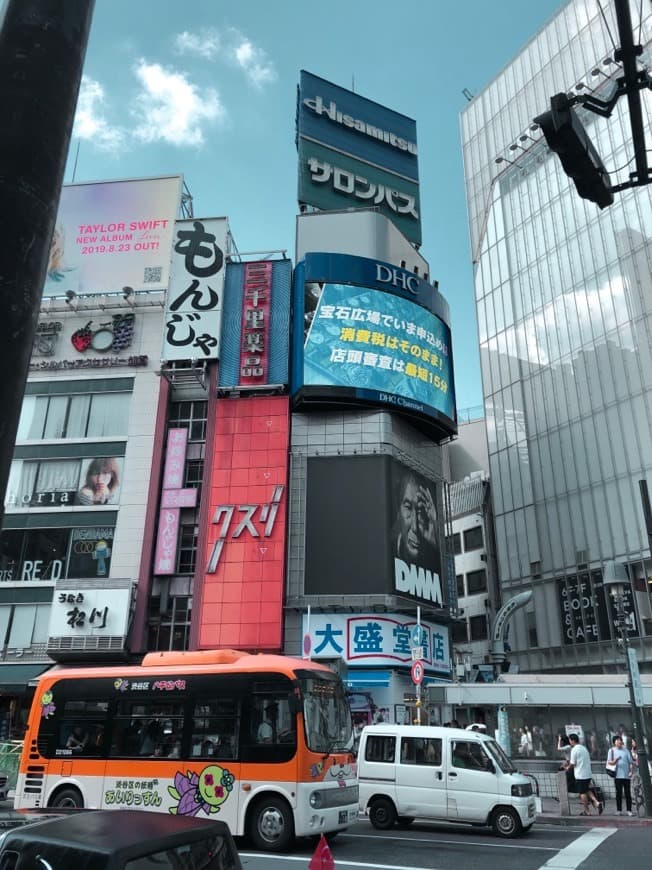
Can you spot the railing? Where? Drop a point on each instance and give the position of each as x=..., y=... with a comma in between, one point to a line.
x=10, y=751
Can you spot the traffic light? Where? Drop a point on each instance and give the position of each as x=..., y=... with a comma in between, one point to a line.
x=566, y=136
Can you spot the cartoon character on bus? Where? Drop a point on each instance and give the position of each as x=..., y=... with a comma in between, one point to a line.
x=47, y=705
x=201, y=791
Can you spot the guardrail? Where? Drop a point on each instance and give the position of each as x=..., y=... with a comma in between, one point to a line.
x=10, y=751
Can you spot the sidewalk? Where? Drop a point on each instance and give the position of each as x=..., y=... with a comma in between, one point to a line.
x=551, y=815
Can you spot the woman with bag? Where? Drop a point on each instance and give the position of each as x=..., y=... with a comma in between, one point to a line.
x=620, y=761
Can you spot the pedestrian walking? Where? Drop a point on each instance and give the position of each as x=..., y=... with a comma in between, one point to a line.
x=580, y=764
x=624, y=772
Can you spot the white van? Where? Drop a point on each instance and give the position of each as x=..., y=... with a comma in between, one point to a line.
x=448, y=774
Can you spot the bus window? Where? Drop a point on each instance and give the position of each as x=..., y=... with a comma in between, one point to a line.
x=147, y=728
x=215, y=726
x=81, y=728
x=272, y=720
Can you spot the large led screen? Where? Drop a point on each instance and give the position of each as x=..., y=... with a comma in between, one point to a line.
x=371, y=344
x=373, y=527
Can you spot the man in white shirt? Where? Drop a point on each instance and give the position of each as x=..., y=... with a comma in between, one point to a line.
x=580, y=764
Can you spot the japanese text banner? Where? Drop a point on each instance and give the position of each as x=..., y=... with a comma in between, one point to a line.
x=370, y=639
x=193, y=314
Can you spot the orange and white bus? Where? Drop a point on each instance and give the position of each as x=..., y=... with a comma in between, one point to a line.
x=265, y=741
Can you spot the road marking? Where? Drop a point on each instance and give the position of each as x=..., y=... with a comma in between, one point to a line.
x=483, y=844
x=579, y=850
x=340, y=862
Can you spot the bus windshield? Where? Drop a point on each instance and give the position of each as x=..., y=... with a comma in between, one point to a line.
x=326, y=714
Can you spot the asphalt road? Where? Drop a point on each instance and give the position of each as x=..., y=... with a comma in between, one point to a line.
x=426, y=846
x=445, y=847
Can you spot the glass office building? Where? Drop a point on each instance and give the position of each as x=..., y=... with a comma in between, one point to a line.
x=564, y=304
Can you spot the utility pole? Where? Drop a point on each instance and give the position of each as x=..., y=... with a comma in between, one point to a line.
x=42, y=49
x=616, y=580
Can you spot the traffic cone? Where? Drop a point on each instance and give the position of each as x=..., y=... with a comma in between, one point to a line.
x=322, y=858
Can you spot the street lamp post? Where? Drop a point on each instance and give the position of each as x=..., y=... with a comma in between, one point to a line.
x=615, y=581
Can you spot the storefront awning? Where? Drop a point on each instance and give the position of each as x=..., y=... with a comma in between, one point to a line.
x=15, y=678
x=367, y=680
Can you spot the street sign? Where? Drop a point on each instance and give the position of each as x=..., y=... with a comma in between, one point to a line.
x=635, y=674
x=417, y=673
x=417, y=653
x=418, y=636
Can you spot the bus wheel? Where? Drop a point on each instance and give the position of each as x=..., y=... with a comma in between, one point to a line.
x=68, y=798
x=506, y=822
x=271, y=826
x=382, y=814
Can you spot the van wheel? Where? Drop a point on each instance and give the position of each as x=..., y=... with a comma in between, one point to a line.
x=67, y=798
x=404, y=821
x=271, y=826
x=506, y=822
x=382, y=814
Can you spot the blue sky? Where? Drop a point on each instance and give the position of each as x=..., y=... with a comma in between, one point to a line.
x=207, y=89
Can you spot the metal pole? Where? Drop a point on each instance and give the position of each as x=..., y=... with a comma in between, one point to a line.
x=42, y=49
x=637, y=718
x=627, y=54
x=419, y=684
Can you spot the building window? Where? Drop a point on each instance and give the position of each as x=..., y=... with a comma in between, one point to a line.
x=171, y=630
x=460, y=585
x=187, y=552
x=79, y=416
x=191, y=416
x=29, y=625
x=532, y=636
x=55, y=554
x=459, y=633
x=479, y=630
x=64, y=482
x=194, y=475
x=476, y=581
x=454, y=543
x=473, y=539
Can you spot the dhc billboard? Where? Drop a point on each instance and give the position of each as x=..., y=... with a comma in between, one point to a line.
x=365, y=331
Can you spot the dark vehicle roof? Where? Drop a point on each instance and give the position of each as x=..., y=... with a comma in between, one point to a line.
x=120, y=834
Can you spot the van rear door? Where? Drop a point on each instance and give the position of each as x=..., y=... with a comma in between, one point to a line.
x=377, y=766
x=420, y=781
x=472, y=781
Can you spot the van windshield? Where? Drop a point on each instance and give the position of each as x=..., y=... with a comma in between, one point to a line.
x=498, y=754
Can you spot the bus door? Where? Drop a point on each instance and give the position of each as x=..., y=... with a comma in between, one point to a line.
x=77, y=744
x=215, y=755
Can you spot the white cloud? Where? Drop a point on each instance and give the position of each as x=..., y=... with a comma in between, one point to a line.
x=170, y=108
x=90, y=121
x=206, y=45
x=255, y=62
